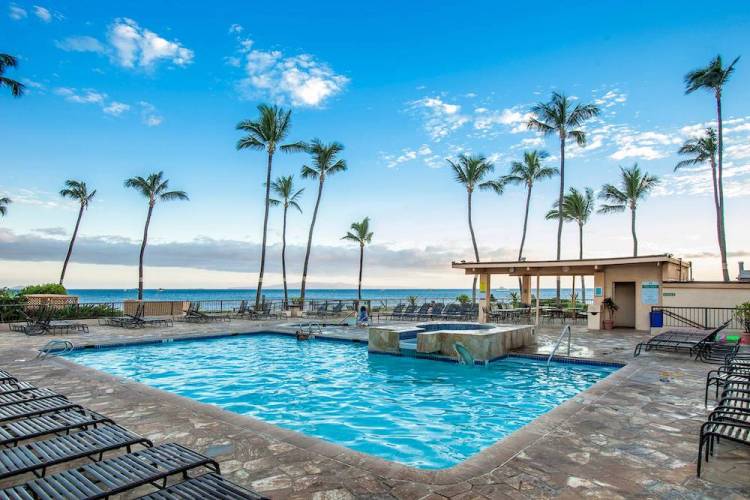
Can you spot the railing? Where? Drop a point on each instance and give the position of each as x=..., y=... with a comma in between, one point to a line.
x=699, y=317
x=565, y=330
x=55, y=348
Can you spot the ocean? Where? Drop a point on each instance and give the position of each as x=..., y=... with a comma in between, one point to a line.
x=119, y=295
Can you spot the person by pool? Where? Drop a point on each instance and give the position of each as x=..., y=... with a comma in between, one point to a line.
x=362, y=318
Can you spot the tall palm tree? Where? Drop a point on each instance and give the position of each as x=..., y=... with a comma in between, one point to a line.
x=713, y=78
x=16, y=87
x=470, y=171
x=634, y=187
x=4, y=202
x=701, y=150
x=577, y=207
x=283, y=187
x=266, y=133
x=153, y=188
x=561, y=117
x=78, y=191
x=528, y=172
x=324, y=163
x=360, y=233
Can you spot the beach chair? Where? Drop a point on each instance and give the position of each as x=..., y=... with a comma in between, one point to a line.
x=11, y=433
x=126, y=320
x=452, y=311
x=418, y=313
x=194, y=315
x=36, y=456
x=676, y=341
x=116, y=475
x=26, y=395
x=435, y=312
x=14, y=386
x=35, y=407
x=396, y=312
x=206, y=486
x=720, y=428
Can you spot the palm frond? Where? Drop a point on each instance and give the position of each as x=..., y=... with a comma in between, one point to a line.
x=174, y=195
x=579, y=136
x=16, y=88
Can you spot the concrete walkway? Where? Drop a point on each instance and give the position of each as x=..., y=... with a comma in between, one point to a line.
x=633, y=434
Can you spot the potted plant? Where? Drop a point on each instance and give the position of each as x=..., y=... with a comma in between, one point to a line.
x=609, y=305
x=742, y=313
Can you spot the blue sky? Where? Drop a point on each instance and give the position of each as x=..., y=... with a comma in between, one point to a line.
x=122, y=90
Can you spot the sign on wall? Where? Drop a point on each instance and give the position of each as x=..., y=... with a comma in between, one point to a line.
x=598, y=292
x=650, y=293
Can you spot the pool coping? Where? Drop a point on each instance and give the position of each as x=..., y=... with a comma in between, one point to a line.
x=488, y=459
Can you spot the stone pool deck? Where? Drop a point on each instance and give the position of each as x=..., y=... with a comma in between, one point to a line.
x=633, y=434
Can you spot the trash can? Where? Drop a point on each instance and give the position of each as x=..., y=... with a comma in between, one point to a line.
x=593, y=317
x=656, y=319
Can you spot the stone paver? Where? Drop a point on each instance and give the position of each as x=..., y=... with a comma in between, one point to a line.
x=633, y=434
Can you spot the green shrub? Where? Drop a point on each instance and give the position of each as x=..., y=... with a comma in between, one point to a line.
x=742, y=313
x=46, y=288
x=85, y=311
x=463, y=299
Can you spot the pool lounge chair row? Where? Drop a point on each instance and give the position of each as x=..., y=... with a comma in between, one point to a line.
x=40, y=429
x=137, y=320
x=247, y=312
x=43, y=324
x=693, y=342
x=730, y=419
x=436, y=311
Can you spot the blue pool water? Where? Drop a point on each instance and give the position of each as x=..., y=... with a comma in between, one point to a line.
x=423, y=413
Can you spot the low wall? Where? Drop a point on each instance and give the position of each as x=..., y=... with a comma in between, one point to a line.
x=705, y=294
x=160, y=308
x=48, y=299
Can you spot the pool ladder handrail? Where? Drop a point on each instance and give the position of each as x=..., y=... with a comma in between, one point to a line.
x=566, y=329
x=53, y=348
x=312, y=325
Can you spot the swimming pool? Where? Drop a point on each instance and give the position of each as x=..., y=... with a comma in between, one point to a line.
x=423, y=413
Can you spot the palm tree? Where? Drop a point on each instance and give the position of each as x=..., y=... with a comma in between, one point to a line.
x=154, y=188
x=4, y=202
x=528, y=172
x=701, y=150
x=283, y=187
x=577, y=207
x=634, y=186
x=324, y=163
x=16, y=87
x=470, y=171
x=360, y=233
x=559, y=116
x=712, y=78
x=75, y=190
x=266, y=134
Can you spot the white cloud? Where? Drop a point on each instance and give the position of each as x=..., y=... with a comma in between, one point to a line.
x=116, y=108
x=611, y=98
x=637, y=152
x=81, y=44
x=236, y=29
x=139, y=47
x=513, y=118
x=149, y=115
x=440, y=118
x=85, y=96
x=42, y=13
x=16, y=13
x=424, y=151
x=299, y=80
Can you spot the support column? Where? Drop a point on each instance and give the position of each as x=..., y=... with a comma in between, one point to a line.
x=484, y=301
x=536, y=321
x=526, y=292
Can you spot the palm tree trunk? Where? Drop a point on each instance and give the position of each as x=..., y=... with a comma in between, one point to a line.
x=476, y=251
x=523, y=235
x=72, y=242
x=143, y=251
x=580, y=257
x=361, y=262
x=309, y=243
x=632, y=230
x=283, y=257
x=560, y=210
x=720, y=182
x=259, y=291
x=719, y=222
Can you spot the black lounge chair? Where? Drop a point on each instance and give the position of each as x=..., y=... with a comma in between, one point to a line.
x=195, y=315
x=14, y=386
x=716, y=353
x=418, y=313
x=714, y=430
x=408, y=312
x=36, y=407
x=6, y=377
x=676, y=341
x=725, y=375
x=11, y=433
x=210, y=485
x=115, y=475
x=396, y=312
x=436, y=312
x=36, y=456
x=26, y=395
x=452, y=311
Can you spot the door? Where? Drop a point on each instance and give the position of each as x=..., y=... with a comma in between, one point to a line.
x=624, y=297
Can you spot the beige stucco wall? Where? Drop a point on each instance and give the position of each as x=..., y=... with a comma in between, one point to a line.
x=705, y=294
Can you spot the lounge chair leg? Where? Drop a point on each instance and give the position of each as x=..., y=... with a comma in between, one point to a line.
x=700, y=455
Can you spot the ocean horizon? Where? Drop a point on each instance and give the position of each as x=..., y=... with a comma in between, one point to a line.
x=94, y=295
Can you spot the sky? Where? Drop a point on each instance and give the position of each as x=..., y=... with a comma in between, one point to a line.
x=130, y=88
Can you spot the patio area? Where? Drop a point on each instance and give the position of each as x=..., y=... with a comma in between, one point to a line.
x=632, y=434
